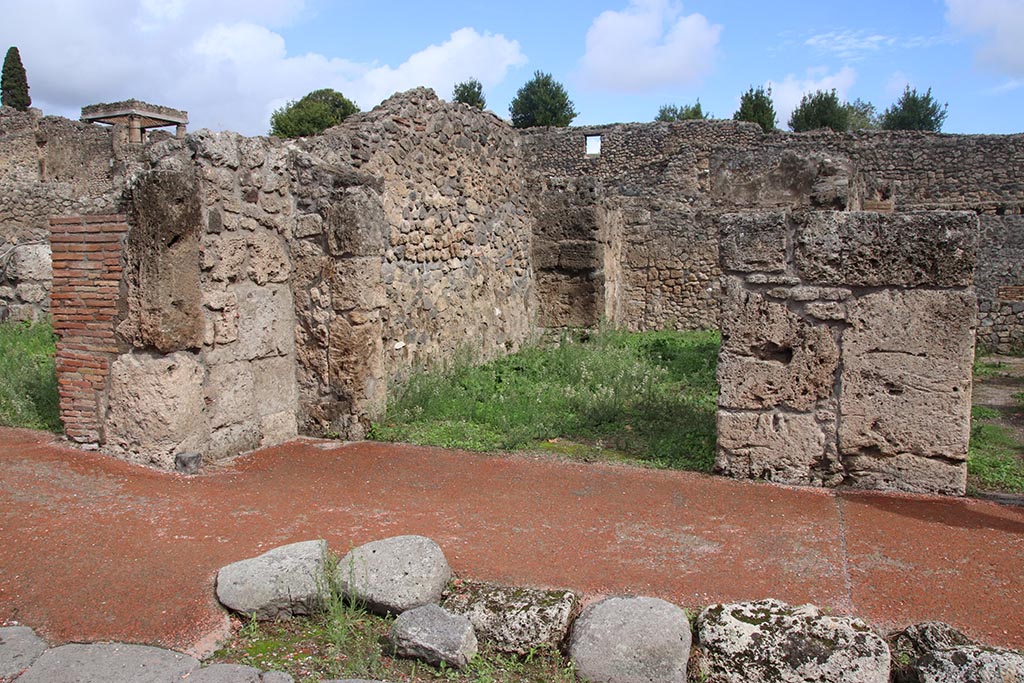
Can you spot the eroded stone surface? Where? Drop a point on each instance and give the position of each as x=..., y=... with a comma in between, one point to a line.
x=434, y=635
x=156, y=407
x=19, y=647
x=395, y=574
x=971, y=664
x=753, y=242
x=788, y=448
x=771, y=357
x=279, y=584
x=514, y=619
x=768, y=641
x=631, y=640
x=906, y=395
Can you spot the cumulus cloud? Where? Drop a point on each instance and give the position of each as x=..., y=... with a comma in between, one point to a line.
x=787, y=93
x=1000, y=25
x=224, y=62
x=651, y=43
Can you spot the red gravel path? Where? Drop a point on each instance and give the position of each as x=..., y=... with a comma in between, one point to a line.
x=96, y=549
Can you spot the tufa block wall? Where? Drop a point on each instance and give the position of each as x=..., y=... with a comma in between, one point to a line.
x=847, y=347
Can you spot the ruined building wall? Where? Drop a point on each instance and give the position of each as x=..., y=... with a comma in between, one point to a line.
x=670, y=181
x=49, y=166
x=847, y=348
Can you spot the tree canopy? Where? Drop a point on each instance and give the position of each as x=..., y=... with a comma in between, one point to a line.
x=470, y=92
x=314, y=113
x=686, y=112
x=862, y=115
x=914, y=111
x=14, y=82
x=820, y=109
x=756, y=106
x=542, y=101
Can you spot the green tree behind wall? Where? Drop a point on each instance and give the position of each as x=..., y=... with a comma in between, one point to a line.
x=14, y=82
x=314, y=113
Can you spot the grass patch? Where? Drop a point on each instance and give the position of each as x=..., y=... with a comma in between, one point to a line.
x=28, y=382
x=649, y=396
x=995, y=459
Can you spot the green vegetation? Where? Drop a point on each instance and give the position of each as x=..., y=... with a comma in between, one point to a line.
x=647, y=396
x=14, y=82
x=756, y=106
x=311, y=115
x=687, y=112
x=914, y=111
x=470, y=92
x=542, y=101
x=28, y=383
x=995, y=460
x=820, y=109
x=345, y=641
x=861, y=115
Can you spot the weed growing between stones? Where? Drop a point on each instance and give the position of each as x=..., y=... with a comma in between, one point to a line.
x=28, y=382
x=646, y=396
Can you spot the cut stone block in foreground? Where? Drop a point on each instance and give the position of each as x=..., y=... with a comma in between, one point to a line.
x=850, y=363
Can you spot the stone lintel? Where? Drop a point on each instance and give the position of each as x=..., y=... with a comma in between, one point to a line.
x=147, y=115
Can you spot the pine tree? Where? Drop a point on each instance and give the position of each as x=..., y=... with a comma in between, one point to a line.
x=757, y=107
x=14, y=82
x=470, y=92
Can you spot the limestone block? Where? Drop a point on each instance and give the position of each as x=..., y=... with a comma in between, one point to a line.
x=906, y=382
x=434, y=635
x=937, y=248
x=788, y=448
x=274, y=385
x=229, y=252
x=905, y=472
x=31, y=262
x=356, y=284
x=577, y=255
x=156, y=407
x=544, y=254
x=31, y=292
x=230, y=393
x=770, y=357
x=768, y=641
x=356, y=225
x=268, y=261
x=356, y=354
x=514, y=619
x=233, y=439
x=222, y=315
x=221, y=148
x=279, y=584
x=278, y=427
x=631, y=640
x=266, y=325
x=754, y=241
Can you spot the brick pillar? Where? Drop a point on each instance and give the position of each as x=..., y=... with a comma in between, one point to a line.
x=86, y=284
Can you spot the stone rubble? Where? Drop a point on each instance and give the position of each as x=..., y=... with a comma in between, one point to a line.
x=394, y=574
x=434, y=635
x=281, y=583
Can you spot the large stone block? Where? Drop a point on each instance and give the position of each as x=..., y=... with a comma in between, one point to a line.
x=156, y=407
x=355, y=222
x=287, y=581
x=266, y=324
x=275, y=388
x=788, y=448
x=162, y=257
x=906, y=386
x=230, y=394
x=30, y=262
x=938, y=248
x=770, y=356
x=754, y=241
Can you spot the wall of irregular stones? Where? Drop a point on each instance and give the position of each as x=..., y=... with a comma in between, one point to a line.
x=49, y=166
x=847, y=348
x=671, y=181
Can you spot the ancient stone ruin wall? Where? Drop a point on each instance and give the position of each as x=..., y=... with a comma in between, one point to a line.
x=669, y=182
x=49, y=166
x=847, y=348
x=273, y=288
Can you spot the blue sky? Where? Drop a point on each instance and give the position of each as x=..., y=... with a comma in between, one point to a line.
x=231, y=62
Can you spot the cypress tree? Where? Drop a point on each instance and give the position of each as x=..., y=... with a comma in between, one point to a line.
x=14, y=82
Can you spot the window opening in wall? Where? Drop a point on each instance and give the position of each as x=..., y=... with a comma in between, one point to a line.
x=593, y=145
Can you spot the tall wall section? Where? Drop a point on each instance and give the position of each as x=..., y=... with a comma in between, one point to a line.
x=49, y=166
x=665, y=184
x=273, y=288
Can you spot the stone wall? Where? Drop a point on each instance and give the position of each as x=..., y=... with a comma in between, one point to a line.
x=847, y=348
x=49, y=166
x=670, y=182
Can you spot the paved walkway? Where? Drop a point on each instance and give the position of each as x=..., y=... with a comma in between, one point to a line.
x=95, y=549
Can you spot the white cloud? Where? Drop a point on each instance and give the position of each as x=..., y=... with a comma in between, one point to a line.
x=223, y=62
x=649, y=44
x=854, y=45
x=787, y=93
x=1000, y=23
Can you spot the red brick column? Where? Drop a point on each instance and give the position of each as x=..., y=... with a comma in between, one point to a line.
x=86, y=285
